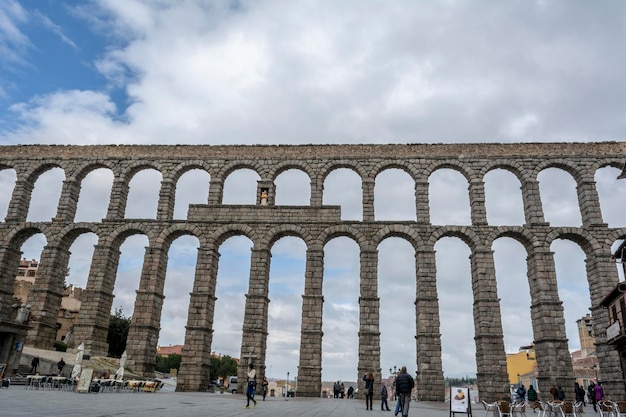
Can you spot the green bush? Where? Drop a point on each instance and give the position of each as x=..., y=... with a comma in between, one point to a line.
x=60, y=346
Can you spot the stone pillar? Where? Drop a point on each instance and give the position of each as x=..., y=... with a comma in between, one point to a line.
x=196, y=363
x=602, y=279
x=143, y=334
x=216, y=191
x=20, y=200
x=493, y=381
x=9, y=264
x=317, y=191
x=45, y=298
x=92, y=325
x=369, y=318
x=477, y=202
x=427, y=324
x=368, y=199
x=167, y=199
x=533, y=210
x=254, y=340
x=422, y=207
x=68, y=201
x=589, y=203
x=554, y=363
x=310, y=367
x=118, y=200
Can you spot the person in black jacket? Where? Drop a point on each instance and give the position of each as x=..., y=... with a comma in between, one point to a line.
x=404, y=387
x=369, y=390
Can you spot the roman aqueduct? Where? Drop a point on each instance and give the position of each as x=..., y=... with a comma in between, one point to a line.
x=263, y=224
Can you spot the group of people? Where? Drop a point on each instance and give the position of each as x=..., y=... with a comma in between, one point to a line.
x=403, y=385
x=34, y=364
x=594, y=393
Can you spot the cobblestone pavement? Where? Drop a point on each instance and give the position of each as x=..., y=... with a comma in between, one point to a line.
x=17, y=401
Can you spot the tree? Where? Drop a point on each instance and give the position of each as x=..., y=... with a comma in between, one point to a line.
x=167, y=362
x=118, y=333
x=222, y=367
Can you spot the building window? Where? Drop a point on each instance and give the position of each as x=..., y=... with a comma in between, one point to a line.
x=21, y=273
x=31, y=273
x=33, y=265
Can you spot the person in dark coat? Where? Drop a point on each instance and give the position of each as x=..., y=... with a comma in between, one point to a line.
x=404, y=387
x=369, y=390
x=60, y=366
x=34, y=364
x=532, y=397
x=591, y=393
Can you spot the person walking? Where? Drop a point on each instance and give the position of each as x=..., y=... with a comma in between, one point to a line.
x=383, y=397
x=369, y=390
x=591, y=393
x=264, y=387
x=34, y=364
x=579, y=393
x=251, y=385
x=404, y=387
x=397, y=397
x=521, y=393
x=599, y=392
x=532, y=397
x=60, y=366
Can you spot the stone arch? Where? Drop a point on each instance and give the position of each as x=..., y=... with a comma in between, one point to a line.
x=467, y=235
x=402, y=231
x=85, y=169
x=22, y=233
x=182, y=168
x=281, y=167
x=518, y=233
x=405, y=166
x=69, y=233
x=343, y=230
x=587, y=242
x=276, y=233
x=577, y=172
x=117, y=236
x=228, y=169
x=511, y=166
x=167, y=236
x=227, y=231
x=459, y=166
x=329, y=167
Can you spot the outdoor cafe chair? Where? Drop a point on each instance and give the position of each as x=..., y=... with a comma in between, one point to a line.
x=620, y=408
x=504, y=408
x=519, y=409
x=606, y=408
x=545, y=410
x=566, y=409
x=490, y=408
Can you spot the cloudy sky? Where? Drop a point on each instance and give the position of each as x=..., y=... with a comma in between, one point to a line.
x=232, y=72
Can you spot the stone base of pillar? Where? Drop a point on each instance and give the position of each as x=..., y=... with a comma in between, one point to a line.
x=193, y=377
x=41, y=335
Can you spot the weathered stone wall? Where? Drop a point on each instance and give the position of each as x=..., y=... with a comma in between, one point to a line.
x=316, y=224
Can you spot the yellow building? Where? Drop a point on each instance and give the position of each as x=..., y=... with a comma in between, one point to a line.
x=521, y=366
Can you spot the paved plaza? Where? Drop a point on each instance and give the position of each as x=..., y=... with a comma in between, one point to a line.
x=17, y=401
